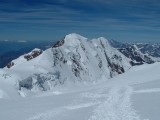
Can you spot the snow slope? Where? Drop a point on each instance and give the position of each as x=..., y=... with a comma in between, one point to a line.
x=72, y=60
x=133, y=95
x=78, y=79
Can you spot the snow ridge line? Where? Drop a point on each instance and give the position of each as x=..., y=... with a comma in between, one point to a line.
x=117, y=106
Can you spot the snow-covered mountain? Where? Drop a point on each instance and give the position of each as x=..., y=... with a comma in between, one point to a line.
x=150, y=50
x=73, y=59
x=117, y=44
x=137, y=57
x=56, y=75
x=10, y=50
x=26, y=57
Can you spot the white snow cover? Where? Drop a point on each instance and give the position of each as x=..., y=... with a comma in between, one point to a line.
x=78, y=60
x=47, y=88
x=21, y=59
x=133, y=95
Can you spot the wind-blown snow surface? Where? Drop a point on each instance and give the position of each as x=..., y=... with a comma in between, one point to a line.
x=134, y=95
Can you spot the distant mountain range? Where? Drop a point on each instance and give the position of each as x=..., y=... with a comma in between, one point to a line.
x=150, y=49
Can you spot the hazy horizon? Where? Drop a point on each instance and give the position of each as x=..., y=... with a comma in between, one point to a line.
x=89, y=38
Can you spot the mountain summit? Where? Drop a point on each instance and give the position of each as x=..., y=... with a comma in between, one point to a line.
x=73, y=59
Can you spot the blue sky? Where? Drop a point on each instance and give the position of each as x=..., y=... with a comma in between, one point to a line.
x=122, y=20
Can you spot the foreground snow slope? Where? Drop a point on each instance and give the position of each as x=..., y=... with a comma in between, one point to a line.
x=133, y=95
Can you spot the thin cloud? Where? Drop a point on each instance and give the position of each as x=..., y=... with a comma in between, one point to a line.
x=89, y=15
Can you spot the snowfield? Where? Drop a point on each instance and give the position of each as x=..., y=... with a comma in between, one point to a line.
x=134, y=95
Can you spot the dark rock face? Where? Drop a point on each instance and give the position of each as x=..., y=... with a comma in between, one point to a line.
x=115, y=68
x=9, y=65
x=58, y=44
x=136, y=56
x=33, y=54
x=58, y=56
x=76, y=67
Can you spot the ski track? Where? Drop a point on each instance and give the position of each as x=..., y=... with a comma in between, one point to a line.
x=114, y=105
